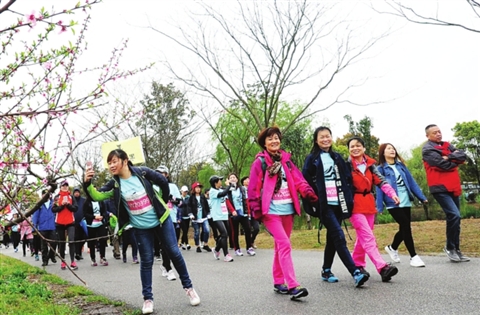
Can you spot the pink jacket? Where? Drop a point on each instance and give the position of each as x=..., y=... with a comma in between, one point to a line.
x=25, y=230
x=260, y=191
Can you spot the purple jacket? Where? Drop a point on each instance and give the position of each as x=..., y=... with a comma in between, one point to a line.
x=261, y=187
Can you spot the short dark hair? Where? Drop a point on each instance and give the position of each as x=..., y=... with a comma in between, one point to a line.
x=268, y=132
x=429, y=126
x=244, y=178
x=357, y=139
x=120, y=154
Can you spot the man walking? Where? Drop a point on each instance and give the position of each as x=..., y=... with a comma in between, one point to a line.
x=441, y=160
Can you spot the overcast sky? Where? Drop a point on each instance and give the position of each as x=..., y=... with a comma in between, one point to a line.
x=432, y=72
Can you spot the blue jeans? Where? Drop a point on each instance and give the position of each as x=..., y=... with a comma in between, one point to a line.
x=205, y=232
x=332, y=219
x=451, y=206
x=145, y=239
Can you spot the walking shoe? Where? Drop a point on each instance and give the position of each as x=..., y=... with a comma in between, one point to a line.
x=124, y=258
x=238, y=252
x=228, y=258
x=103, y=262
x=45, y=263
x=216, y=254
x=297, y=292
x=461, y=256
x=37, y=258
x=135, y=260
x=73, y=265
x=188, y=247
x=193, y=296
x=360, y=278
x=15, y=250
x=184, y=247
x=171, y=275
x=207, y=248
x=63, y=266
x=94, y=263
x=328, y=276
x=416, y=261
x=251, y=252
x=199, y=250
x=147, y=307
x=280, y=288
x=164, y=271
x=363, y=270
x=388, y=272
x=78, y=257
x=393, y=253
x=452, y=254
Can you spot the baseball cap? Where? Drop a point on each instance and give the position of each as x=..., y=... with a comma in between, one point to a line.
x=214, y=179
x=162, y=169
x=196, y=184
x=184, y=188
x=64, y=183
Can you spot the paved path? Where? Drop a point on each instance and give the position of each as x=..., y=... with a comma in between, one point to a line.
x=245, y=286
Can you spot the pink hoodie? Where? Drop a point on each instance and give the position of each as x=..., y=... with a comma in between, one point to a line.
x=260, y=191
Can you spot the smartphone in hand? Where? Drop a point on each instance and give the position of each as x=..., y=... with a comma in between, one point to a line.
x=89, y=166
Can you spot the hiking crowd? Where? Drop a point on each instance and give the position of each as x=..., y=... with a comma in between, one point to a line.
x=141, y=208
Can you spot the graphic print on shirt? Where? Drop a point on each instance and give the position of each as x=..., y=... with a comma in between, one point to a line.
x=400, y=181
x=330, y=177
x=138, y=203
x=282, y=196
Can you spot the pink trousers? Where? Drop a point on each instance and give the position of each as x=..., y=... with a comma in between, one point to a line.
x=280, y=226
x=365, y=242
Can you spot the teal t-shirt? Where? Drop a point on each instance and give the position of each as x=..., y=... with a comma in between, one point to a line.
x=329, y=176
x=96, y=211
x=140, y=209
x=238, y=201
x=218, y=208
x=401, y=189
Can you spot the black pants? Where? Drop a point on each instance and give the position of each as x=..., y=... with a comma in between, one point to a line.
x=222, y=227
x=27, y=242
x=255, y=226
x=213, y=228
x=62, y=230
x=235, y=222
x=98, y=236
x=185, y=225
x=403, y=217
x=128, y=238
x=47, y=252
x=15, y=236
x=80, y=238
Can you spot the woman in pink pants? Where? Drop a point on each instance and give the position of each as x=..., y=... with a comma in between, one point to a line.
x=364, y=176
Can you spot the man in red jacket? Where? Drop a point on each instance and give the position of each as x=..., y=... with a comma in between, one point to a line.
x=441, y=160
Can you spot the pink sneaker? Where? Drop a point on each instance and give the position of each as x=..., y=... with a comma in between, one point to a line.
x=73, y=265
x=63, y=266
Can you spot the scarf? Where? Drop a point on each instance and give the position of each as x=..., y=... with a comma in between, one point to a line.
x=275, y=168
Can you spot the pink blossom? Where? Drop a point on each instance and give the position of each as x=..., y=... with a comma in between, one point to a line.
x=48, y=65
x=31, y=18
x=64, y=29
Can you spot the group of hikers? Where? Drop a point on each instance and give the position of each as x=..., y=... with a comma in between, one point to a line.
x=151, y=213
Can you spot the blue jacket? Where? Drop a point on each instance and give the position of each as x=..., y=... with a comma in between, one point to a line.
x=389, y=174
x=44, y=218
x=147, y=177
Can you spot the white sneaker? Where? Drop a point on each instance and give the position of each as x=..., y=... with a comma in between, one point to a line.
x=164, y=271
x=228, y=258
x=393, y=253
x=216, y=254
x=193, y=296
x=238, y=252
x=171, y=275
x=147, y=307
x=416, y=261
x=251, y=252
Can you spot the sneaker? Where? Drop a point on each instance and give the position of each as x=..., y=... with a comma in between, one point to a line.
x=199, y=250
x=360, y=278
x=164, y=271
x=54, y=261
x=251, y=252
x=171, y=275
x=461, y=256
x=45, y=263
x=297, y=292
x=207, y=248
x=78, y=257
x=238, y=252
x=416, y=261
x=193, y=296
x=280, y=288
x=188, y=247
x=388, y=272
x=94, y=263
x=452, y=254
x=103, y=262
x=135, y=260
x=216, y=254
x=124, y=258
x=363, y=270
x=63, y=266
x=117, y=256
x=328, y=276
x=184, y=247
x=393, y=253
x=228, y=258
x=73, y=265
x=37, y=258
x=147, y=307
x=15, y=250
